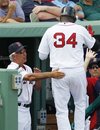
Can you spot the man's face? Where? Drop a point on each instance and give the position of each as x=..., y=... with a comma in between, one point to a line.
x=4, y=4
x=21, y=57
x=94, y=71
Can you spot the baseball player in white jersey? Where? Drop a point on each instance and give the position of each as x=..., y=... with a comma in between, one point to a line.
x=64, y=42
x=18, y=57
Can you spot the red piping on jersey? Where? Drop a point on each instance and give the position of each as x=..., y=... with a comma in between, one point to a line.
x=23, y=67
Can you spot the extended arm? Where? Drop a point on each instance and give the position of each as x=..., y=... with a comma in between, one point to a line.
x=50, y=9
x=54, y=10
x=37, y=76
x=38, y=82
x=20, y=17
x=89, y=56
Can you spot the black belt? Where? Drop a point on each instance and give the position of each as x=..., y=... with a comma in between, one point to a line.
x=24, y=105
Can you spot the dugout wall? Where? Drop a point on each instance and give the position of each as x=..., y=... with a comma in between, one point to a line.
x=30, y=34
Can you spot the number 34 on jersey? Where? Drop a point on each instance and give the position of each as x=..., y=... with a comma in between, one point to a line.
x=60, y=41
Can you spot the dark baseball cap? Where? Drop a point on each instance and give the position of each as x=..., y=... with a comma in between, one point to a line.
x=15, y=47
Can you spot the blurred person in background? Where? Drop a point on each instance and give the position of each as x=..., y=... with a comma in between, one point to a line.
x=29, y=5
x=91, y=9
x=92, y=65
x=29, y=80
x=44, y=13
x=11, y=12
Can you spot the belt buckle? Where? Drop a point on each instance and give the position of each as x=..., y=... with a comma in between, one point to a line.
x=22, y=104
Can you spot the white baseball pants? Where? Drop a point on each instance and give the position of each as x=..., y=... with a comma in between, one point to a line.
x=75, y=83
x=24, y=118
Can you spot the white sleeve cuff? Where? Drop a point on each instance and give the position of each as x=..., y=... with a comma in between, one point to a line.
x=42, y=56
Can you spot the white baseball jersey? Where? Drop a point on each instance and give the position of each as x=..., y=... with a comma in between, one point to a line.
x=27, y=86
x=65, y=41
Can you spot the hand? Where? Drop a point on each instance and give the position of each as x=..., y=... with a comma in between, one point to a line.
x=90, y=30
x=77, y=8
x=90, y=54
x=38, y=82
x=57, y=74
x=38, y=9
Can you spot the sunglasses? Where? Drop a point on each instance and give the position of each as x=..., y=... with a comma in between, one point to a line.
x=95, y=67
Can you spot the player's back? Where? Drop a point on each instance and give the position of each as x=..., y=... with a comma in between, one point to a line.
x=65, y=41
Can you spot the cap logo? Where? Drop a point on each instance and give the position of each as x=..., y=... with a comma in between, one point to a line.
x=18, y=44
